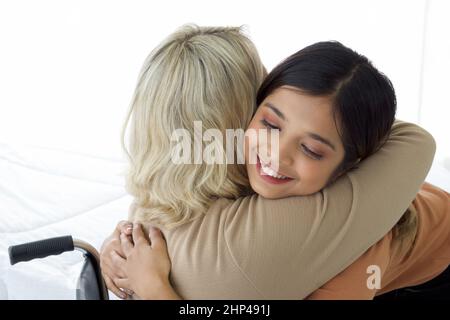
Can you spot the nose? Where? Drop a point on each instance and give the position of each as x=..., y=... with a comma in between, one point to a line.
x=282, y=154
x=286, y=154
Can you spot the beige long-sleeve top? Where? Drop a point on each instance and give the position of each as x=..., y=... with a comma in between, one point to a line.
x=256, y=248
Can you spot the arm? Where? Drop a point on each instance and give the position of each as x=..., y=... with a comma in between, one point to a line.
x=308, y=240
x=352, y=283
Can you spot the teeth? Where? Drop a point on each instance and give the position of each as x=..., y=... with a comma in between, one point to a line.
x=270, y=172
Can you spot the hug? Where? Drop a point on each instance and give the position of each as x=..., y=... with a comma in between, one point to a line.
x=344, y=190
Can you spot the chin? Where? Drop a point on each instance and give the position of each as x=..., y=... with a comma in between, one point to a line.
x=262, y=191
x=272, y=196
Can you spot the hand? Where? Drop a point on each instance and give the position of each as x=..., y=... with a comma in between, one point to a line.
x=147, y=265
x=110, y=252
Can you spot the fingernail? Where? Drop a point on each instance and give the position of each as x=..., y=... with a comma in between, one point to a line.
x=123, y=295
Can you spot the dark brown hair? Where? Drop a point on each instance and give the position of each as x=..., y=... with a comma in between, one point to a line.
x=363, y=98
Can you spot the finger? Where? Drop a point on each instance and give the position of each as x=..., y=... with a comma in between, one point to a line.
x=118, y=265
x=126, y=244
x=119, y=250
x=107, y=265
x=113, y=288
x=127, y=228
x=111, y=243
x=124, y=226
x=127, y=291
x=157, y=239
x=138, y=235
x=130, y=238
x=123, y=283
x=112, y=271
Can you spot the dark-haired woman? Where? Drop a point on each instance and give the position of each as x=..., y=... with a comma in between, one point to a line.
x=320, y=214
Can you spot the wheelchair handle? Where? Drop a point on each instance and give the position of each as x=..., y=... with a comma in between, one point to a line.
x=40, y=249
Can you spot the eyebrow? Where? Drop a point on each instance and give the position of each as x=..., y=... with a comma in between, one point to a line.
x=312, y=135
x=275, y=109
x=321, y=139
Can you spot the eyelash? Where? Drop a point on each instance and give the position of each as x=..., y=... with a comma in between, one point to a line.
x=305, y=149
x=311, y=153
x=269, y=125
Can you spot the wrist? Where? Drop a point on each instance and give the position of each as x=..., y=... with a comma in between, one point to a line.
x=162, y=290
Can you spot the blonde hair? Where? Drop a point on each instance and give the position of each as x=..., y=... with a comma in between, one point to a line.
x=208, y=74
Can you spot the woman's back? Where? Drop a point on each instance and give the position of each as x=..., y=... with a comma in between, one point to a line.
x=255, y=248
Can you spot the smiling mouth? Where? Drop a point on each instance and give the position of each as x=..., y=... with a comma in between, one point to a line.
x=269, y=174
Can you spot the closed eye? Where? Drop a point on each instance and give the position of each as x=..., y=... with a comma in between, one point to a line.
x=267, y=124
x=311, y=153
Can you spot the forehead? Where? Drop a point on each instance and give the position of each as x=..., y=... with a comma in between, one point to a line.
x=292, y=99
x=306, y=113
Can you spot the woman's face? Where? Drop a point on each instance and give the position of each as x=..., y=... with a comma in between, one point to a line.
x=310, y=148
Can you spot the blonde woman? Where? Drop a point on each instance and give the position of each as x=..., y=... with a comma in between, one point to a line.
x=229, y=247
x=176, y=88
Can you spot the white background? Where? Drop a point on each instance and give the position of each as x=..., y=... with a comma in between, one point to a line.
x=68, y=68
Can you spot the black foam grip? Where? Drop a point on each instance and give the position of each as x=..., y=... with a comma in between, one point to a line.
x=40, y=249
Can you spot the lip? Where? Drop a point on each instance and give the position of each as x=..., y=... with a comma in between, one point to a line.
x=267, y=178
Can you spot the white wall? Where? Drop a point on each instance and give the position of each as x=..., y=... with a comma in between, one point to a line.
x=68, y=68
x=435, y=100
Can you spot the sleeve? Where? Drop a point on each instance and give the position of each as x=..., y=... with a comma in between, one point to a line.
x=287, y=248
x=362, y=279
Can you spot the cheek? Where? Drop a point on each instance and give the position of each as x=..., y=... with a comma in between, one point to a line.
x=313, y=174
x=251, y=136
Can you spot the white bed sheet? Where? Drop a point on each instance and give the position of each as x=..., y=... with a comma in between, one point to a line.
x=46, y=193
